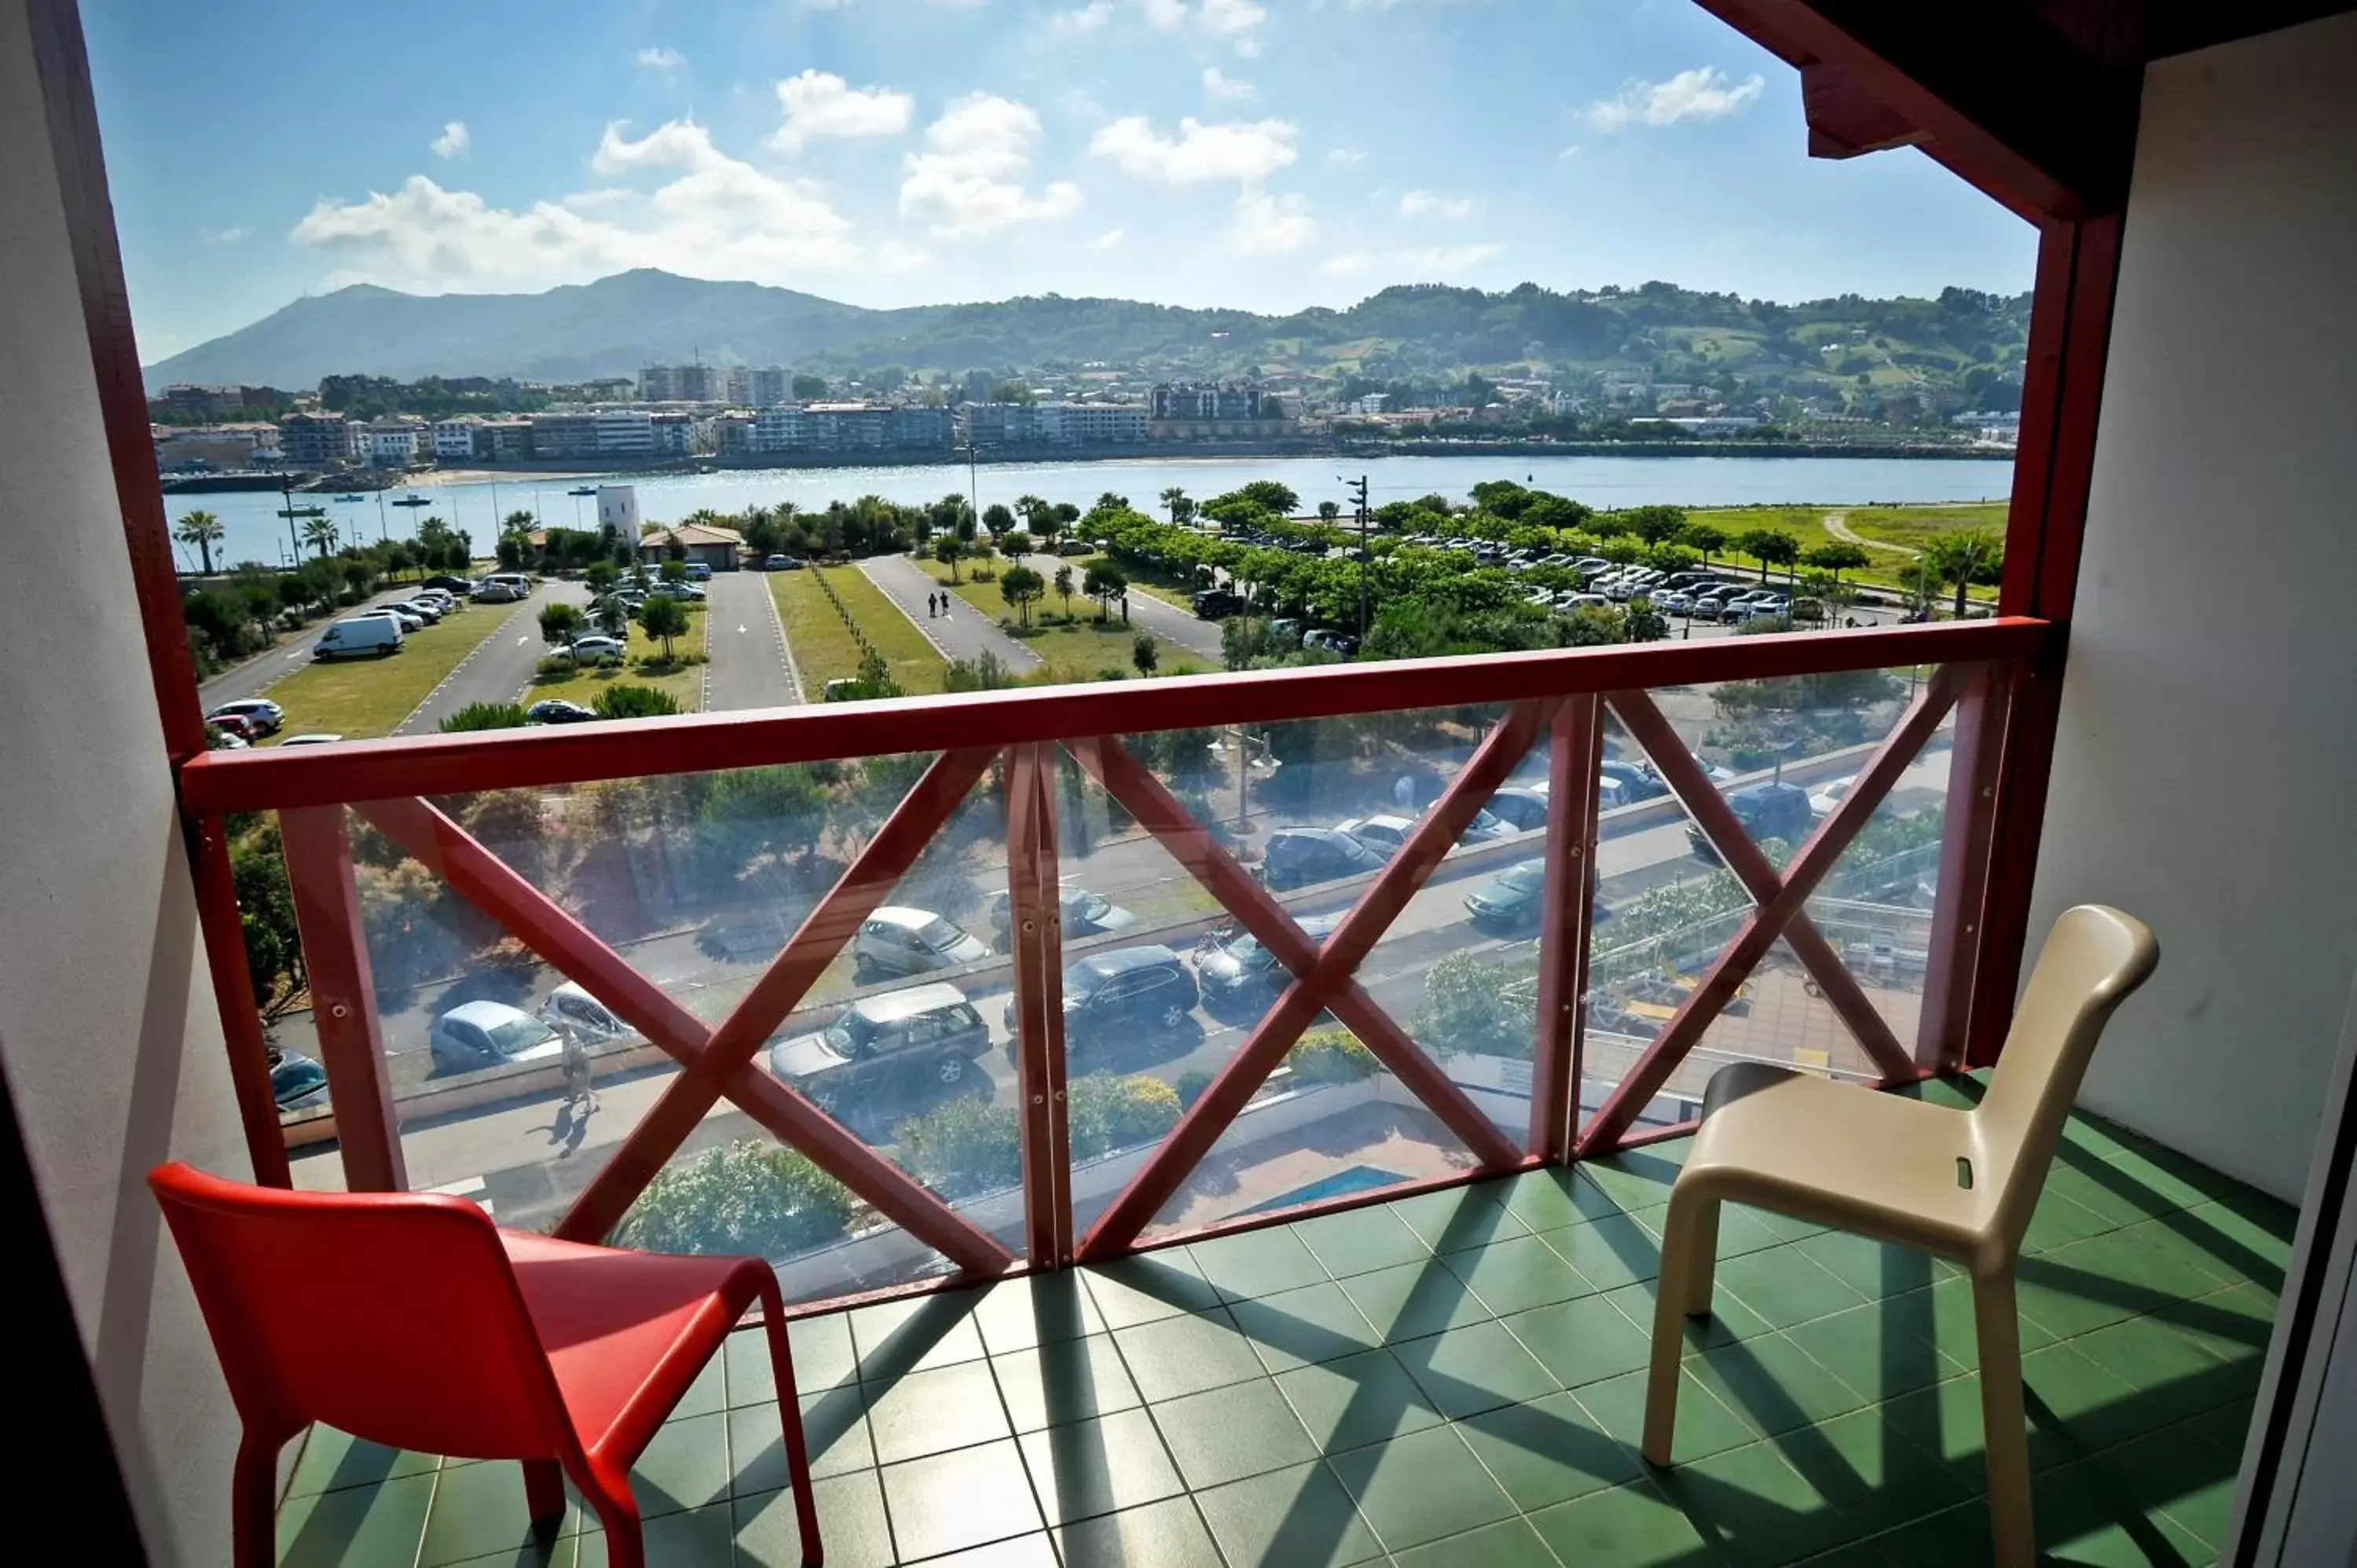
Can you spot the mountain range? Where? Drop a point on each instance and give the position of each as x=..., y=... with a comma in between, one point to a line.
x=616, y=325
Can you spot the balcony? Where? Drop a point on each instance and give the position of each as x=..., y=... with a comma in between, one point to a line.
x=1453, y=1377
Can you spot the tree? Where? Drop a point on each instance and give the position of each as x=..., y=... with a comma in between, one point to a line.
x=1105, y=583
x=266, y=910
x=1770, y=546
x=612, y=616
x=946, y=550
x=1022, y=588
x=1836, y=558
x=320, y=534
x=664, y=617
x=1027, y=507
x=1180, y=506
x=996, y=518
x=1704, y=538
x=601, y=576
x=1964, y=557
x=673, y=569
x=986, y=672
x=1329, y=510
x=204, y=531
x=561, y=623
x=627, y=702
x=1144, y=654
x=1016, y=544
x=1064, y=589
x=1476, y=1007
x=1657, y=524
x=1644, y=623
x=809, y=389
x=486, y=715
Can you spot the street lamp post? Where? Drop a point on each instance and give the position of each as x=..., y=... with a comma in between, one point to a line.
x=1357, y=489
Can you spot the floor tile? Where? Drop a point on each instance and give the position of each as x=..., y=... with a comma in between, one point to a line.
x=1476, y=1368
x=1356, y=1401
x=699, y=1538
x=2233, y=1325
x=1510, y=1543
x=1063, y=1380
x=1174, y=1356
x=894, y=1339
x=1300, y=1518
x=709, y=1392
x=1151, y=1285
x=1637, y=1178
x=1460, y=1218
x=931, y=1412
x=1422, y=1486
x=2237, y=1243
x=1872, y=1269
x=1301, y=1328
x=1876, y=1475
x=850, y=1524
x=1611, y=1252
x=1953, y=1320
x=757, y=1447
x=332, y=1460
x=1098, y=1467
x=2191, y=1482
x=1548, y=1450
x=1705, y=1425
x=1160, y=1535
x=1225, y=1434
x=2173, y=1376
x=1414, y=1300
x=362, y=1527
x=822, y=1352
x=1773, y=1385
x=1257, y=1263
x=1880, y=1348
x=1360, y=1240
x=1552, y=1197
x=1515, y=1275
x=1727, y=1323
x=1020, y=1313
x=2060, y=1221
x=479, y=1510
x=2081, y=1519
x=1741, y=1228
x=969, y=1497
x=1786, y=1286
x=1626, y=1526
x=1582, y=1341
x=1024, y=1552
x=686, y=1466
x=1753, y=1507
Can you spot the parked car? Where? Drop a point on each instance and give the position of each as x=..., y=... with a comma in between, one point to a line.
x=895, y=940
x=359, y=637
x=1085, y=913
x=494, y=594
x=570, y=1007
x=1299, y=856
x=264, y=715
x=403, y=618
x=1110, y=997
x=926, y=1034
x=1285, y=629
x=557, y=711
x=220, y=739
x=1382, y=833
x=699, y=571
x=1636, y=782
x=1216, y=604
x=1825, y=797
x=296, y=1082
x=1239, y=977
x=237, y=724
x=1509, y=901
x=489, y=1034
x=312, y=739
x=452, y=584
x=1335, y=642
x=1767, y=811
x=1522, y=807
x=595, y=650
x=782, y=564
x=1673, y=602
x=426, y=610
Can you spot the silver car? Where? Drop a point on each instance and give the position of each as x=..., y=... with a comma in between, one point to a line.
x=895, y=940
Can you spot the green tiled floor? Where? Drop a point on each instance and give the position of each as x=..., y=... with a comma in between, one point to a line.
x=1451, y=1381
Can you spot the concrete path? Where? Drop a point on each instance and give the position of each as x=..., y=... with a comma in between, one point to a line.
x=1838, y=526
x=963, y=633
x=1200, y=638
x=750, y=665
x=502, y=667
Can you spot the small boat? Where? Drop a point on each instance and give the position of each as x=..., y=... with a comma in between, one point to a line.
x=583, y=490
x=352, y=498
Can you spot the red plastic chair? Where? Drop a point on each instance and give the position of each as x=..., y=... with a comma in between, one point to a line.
x=411, y=1320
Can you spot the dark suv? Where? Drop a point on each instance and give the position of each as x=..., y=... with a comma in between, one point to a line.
x=1241, y=978
x=1299, y=856
x=1114, y=998
x=1213, y=604
x=1767, y=811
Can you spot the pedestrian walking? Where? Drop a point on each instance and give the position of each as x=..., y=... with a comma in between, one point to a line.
x=933, y=604
x=579, y=1088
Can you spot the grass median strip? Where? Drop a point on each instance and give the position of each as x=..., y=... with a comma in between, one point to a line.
x=363, y=698
x=1909, y=527
x=823, y=645
x=582, y=686
x=1080, y=649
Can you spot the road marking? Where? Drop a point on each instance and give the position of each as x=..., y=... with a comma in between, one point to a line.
x=469, y=1187
x=740, y=629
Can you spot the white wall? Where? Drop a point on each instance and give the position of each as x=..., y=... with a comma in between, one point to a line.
x=2206, y=776
x=107, y=1026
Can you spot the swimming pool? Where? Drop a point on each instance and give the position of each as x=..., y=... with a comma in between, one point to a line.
x=1356, y=1179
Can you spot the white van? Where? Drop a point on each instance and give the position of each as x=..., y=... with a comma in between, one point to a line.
x=372, y=636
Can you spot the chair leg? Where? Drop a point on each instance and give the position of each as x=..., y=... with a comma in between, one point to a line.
x=1702, y=1257
x=1689, y=1258
x=543, y=1492
x=2003, y=1438
x=789, y=1422
x=254, y=1522
x=617, y=1510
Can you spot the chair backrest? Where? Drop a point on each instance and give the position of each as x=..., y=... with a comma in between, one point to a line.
x=2093, y=959
x=394, y=1317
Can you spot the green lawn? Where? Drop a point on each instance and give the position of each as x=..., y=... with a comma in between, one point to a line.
x=822, y=644
x=1077, y=649
x=583, y=685
x=1908, y=526
x=363, y=698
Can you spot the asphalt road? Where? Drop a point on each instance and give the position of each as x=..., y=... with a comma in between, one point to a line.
x=962, y=633
x=501, y=667
x=749, y=667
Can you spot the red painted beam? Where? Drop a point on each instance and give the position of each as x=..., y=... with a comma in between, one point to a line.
x=272, y=777
x=1957, y=918
x=1845, y=120
x=1574, y=749
x=1035, y=927
x=318, y=849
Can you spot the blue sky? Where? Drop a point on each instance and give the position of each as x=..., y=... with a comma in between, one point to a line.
x=1252, y=153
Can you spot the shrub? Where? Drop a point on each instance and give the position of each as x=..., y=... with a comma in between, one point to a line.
x=966, y=1147
x=1105, y=1113
x=740, y=1197
x=486, y=715
x=1476, y=1007
x=1331, y=1056
x=557, y=664
x=1191, y=1085
x=626, y=702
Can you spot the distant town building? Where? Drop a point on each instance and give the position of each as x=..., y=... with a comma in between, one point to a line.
x=767, y=387
x=393, y=441
x=503, y=440
x=684, y=383
x=1205, y=411
x=625, y=433
x=1708, y=424
x=315, y=440
x=183, y=400
x=850, y=427
x=560, y=436
x=454, y=438
x=732, y=434
x=222, y=448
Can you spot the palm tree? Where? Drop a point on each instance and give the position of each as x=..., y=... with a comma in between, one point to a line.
x=320, y=534
x=204, y=531
x=1181, y=509
x=1964, y=557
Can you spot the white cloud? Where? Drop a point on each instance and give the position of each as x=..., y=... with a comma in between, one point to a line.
x=1432, y=204
x=1444, y=259
x=967, y=181
x=452, y=140
x=1269, y=225
x=1089, y=18
x=1569, y=154
x=709, y=215
x=228, y=236
x=1245, y=151
x=1345, y=265
x=1110, y=239
x=898, y=256
x=661, y=59
x=1345, y=158
x=1703, y=94
x=1235, y=23
x=818, y=105
x=1218, y=83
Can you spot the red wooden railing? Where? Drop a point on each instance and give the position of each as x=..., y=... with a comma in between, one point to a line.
x=1560, y=698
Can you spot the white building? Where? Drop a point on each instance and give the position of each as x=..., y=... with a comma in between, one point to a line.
x=618, y=508
x=674, y=434
x=394, y=442
x=454, y=438
x=625, y=433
